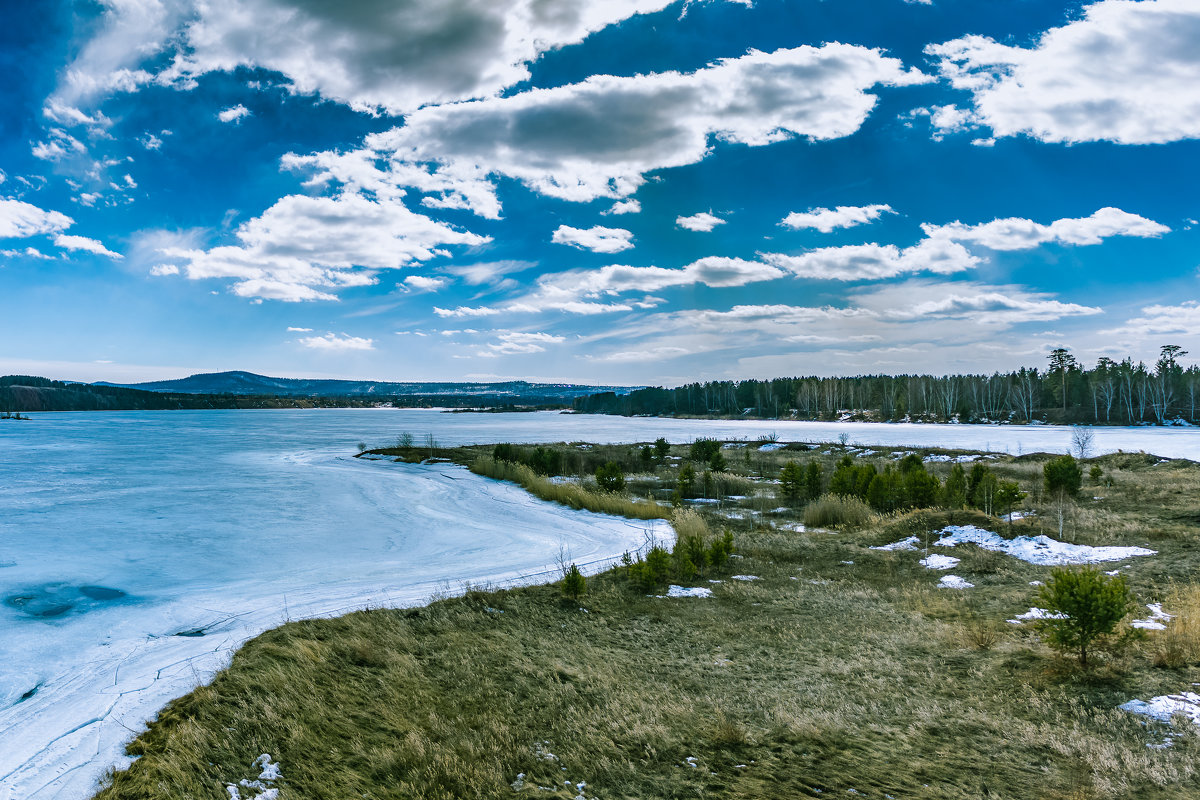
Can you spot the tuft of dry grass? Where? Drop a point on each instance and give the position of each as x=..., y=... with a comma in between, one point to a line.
x=1179, y=645
x=836, y=511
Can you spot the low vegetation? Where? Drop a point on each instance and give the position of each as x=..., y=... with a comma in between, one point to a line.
x=818, y=666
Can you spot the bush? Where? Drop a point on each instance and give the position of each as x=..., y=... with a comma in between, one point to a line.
x=721, y=549
x=691, y=557
x=573, y=583
x=687, y=481
x=646, y=454
x=954, y=494
x=654, y=571
x=791, y=483
x=704, y=449
x=1091, y=604
x=610, y=477
x=835, y=511
x=1063, y=476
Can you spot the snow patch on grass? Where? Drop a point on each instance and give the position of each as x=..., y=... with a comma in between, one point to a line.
x=1037, y=549
x=1156, y=621
x=269, y=774
x=954, y=582
x=681, y=591
x=939, y=561
x=907, y=543
x=1036, y=613
x=1166, y=707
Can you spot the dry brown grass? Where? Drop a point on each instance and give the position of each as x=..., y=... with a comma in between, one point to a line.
x=1179, y=645
x=573, y=495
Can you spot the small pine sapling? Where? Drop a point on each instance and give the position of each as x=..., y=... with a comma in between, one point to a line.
x=574, y=585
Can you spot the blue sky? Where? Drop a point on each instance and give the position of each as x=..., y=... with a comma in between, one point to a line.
x=632, y=191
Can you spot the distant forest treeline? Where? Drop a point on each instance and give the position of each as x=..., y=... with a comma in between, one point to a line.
x=1116, y=393
x=24, y=393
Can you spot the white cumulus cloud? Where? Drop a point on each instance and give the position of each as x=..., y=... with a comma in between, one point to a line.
x=1125, y=72
x=630, y=206
x=1015, y=233
x=826, y=220
x=389, y=55
x=19, y=220
x=424, y=282
x=302, y=246
x=702, y=222
x=600, y=137
x=233, y=113
x=875, y=261
x=596, y=239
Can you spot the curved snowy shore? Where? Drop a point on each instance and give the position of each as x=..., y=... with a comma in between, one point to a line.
x=98, y=672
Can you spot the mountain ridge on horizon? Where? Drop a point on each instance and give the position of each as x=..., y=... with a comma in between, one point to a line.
x=243, y=382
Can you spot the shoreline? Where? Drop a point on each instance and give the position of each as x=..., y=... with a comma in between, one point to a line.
x=76, y=725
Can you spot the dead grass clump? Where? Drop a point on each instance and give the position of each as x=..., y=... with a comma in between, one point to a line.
x=836, y=511
x=688, y=522
x=1179, y=645
x=980, y=634
x=728, y=733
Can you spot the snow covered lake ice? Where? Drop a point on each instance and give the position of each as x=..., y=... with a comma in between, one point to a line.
x=137, y=549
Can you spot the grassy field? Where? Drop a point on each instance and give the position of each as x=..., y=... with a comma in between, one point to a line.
x=840, y=670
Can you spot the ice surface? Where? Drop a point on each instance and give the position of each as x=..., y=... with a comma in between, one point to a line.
x=1036, y=549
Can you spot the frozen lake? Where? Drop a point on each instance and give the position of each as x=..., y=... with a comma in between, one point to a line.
x=138, y=548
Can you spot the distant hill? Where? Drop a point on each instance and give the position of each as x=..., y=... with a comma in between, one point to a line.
x=25, y=393
x=248, y=383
